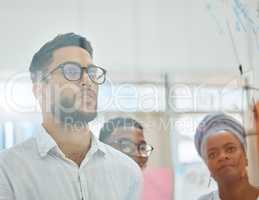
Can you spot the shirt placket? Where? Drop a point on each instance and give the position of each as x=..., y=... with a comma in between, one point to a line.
x=83, y=186
x=81, y=176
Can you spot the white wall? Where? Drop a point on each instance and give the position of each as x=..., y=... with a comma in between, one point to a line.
x=186, y=38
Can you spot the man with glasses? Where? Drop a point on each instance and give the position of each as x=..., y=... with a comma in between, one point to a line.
x=65, y=160
x=126, y=135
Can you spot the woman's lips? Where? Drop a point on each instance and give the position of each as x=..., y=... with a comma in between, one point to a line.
x=225, y=166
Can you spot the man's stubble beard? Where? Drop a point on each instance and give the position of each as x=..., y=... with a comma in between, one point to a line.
x=67, y=113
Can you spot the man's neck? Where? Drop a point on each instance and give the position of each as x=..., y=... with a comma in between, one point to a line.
x=73, y=141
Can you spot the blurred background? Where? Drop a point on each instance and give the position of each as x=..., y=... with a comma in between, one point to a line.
x=169, y=64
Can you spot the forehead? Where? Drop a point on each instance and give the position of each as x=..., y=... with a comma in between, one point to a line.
x=221, y=139
x=128, y=132
x=71, y=53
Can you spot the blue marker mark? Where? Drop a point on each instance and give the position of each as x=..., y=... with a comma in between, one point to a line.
x=211, y=9
x=242, y=16
x=242, y=11
x=238, y=28
x=239, y=19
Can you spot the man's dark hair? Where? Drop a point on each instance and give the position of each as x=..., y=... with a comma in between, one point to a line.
x=118, y=122
x=44, y=56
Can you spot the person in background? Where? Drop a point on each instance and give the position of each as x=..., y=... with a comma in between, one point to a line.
x=126, y=135
x=65, y=160
x=220, y=141
x=256, y=116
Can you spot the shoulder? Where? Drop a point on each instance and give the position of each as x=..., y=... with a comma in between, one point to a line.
x=119, y=157
x=121, y=161
x=18, y=151
x=210, y=196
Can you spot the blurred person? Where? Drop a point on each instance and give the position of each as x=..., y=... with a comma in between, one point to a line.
x=256, y=116
x=220, y=141
x=65, y=160
x=126, y=135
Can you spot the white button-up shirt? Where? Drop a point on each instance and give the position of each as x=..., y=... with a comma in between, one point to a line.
x=37, y=170
x=213, y=196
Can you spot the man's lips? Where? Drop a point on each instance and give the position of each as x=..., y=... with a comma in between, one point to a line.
x=142, y=164
x=88, y=93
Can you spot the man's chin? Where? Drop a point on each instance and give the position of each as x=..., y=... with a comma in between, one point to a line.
x=74, y=118
x=143, y=166
x=79, y=118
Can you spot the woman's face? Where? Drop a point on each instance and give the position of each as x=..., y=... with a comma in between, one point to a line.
x=225, y=157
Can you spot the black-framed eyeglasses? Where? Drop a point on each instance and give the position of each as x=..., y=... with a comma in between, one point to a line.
x=129, y=147
x=73, y=71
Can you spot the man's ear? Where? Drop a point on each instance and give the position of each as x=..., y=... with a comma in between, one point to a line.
x=256, y=116
x=37, y=90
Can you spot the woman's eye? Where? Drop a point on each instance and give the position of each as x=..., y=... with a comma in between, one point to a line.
x=212, y=155
x=231, y=149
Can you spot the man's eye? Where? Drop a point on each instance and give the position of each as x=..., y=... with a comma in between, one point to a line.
x=126, y=149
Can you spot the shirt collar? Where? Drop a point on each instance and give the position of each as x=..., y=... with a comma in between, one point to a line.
x=97, y=145
x=216, y=195
x=45, y=143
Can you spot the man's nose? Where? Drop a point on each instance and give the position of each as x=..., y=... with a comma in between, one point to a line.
x=85, y=80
